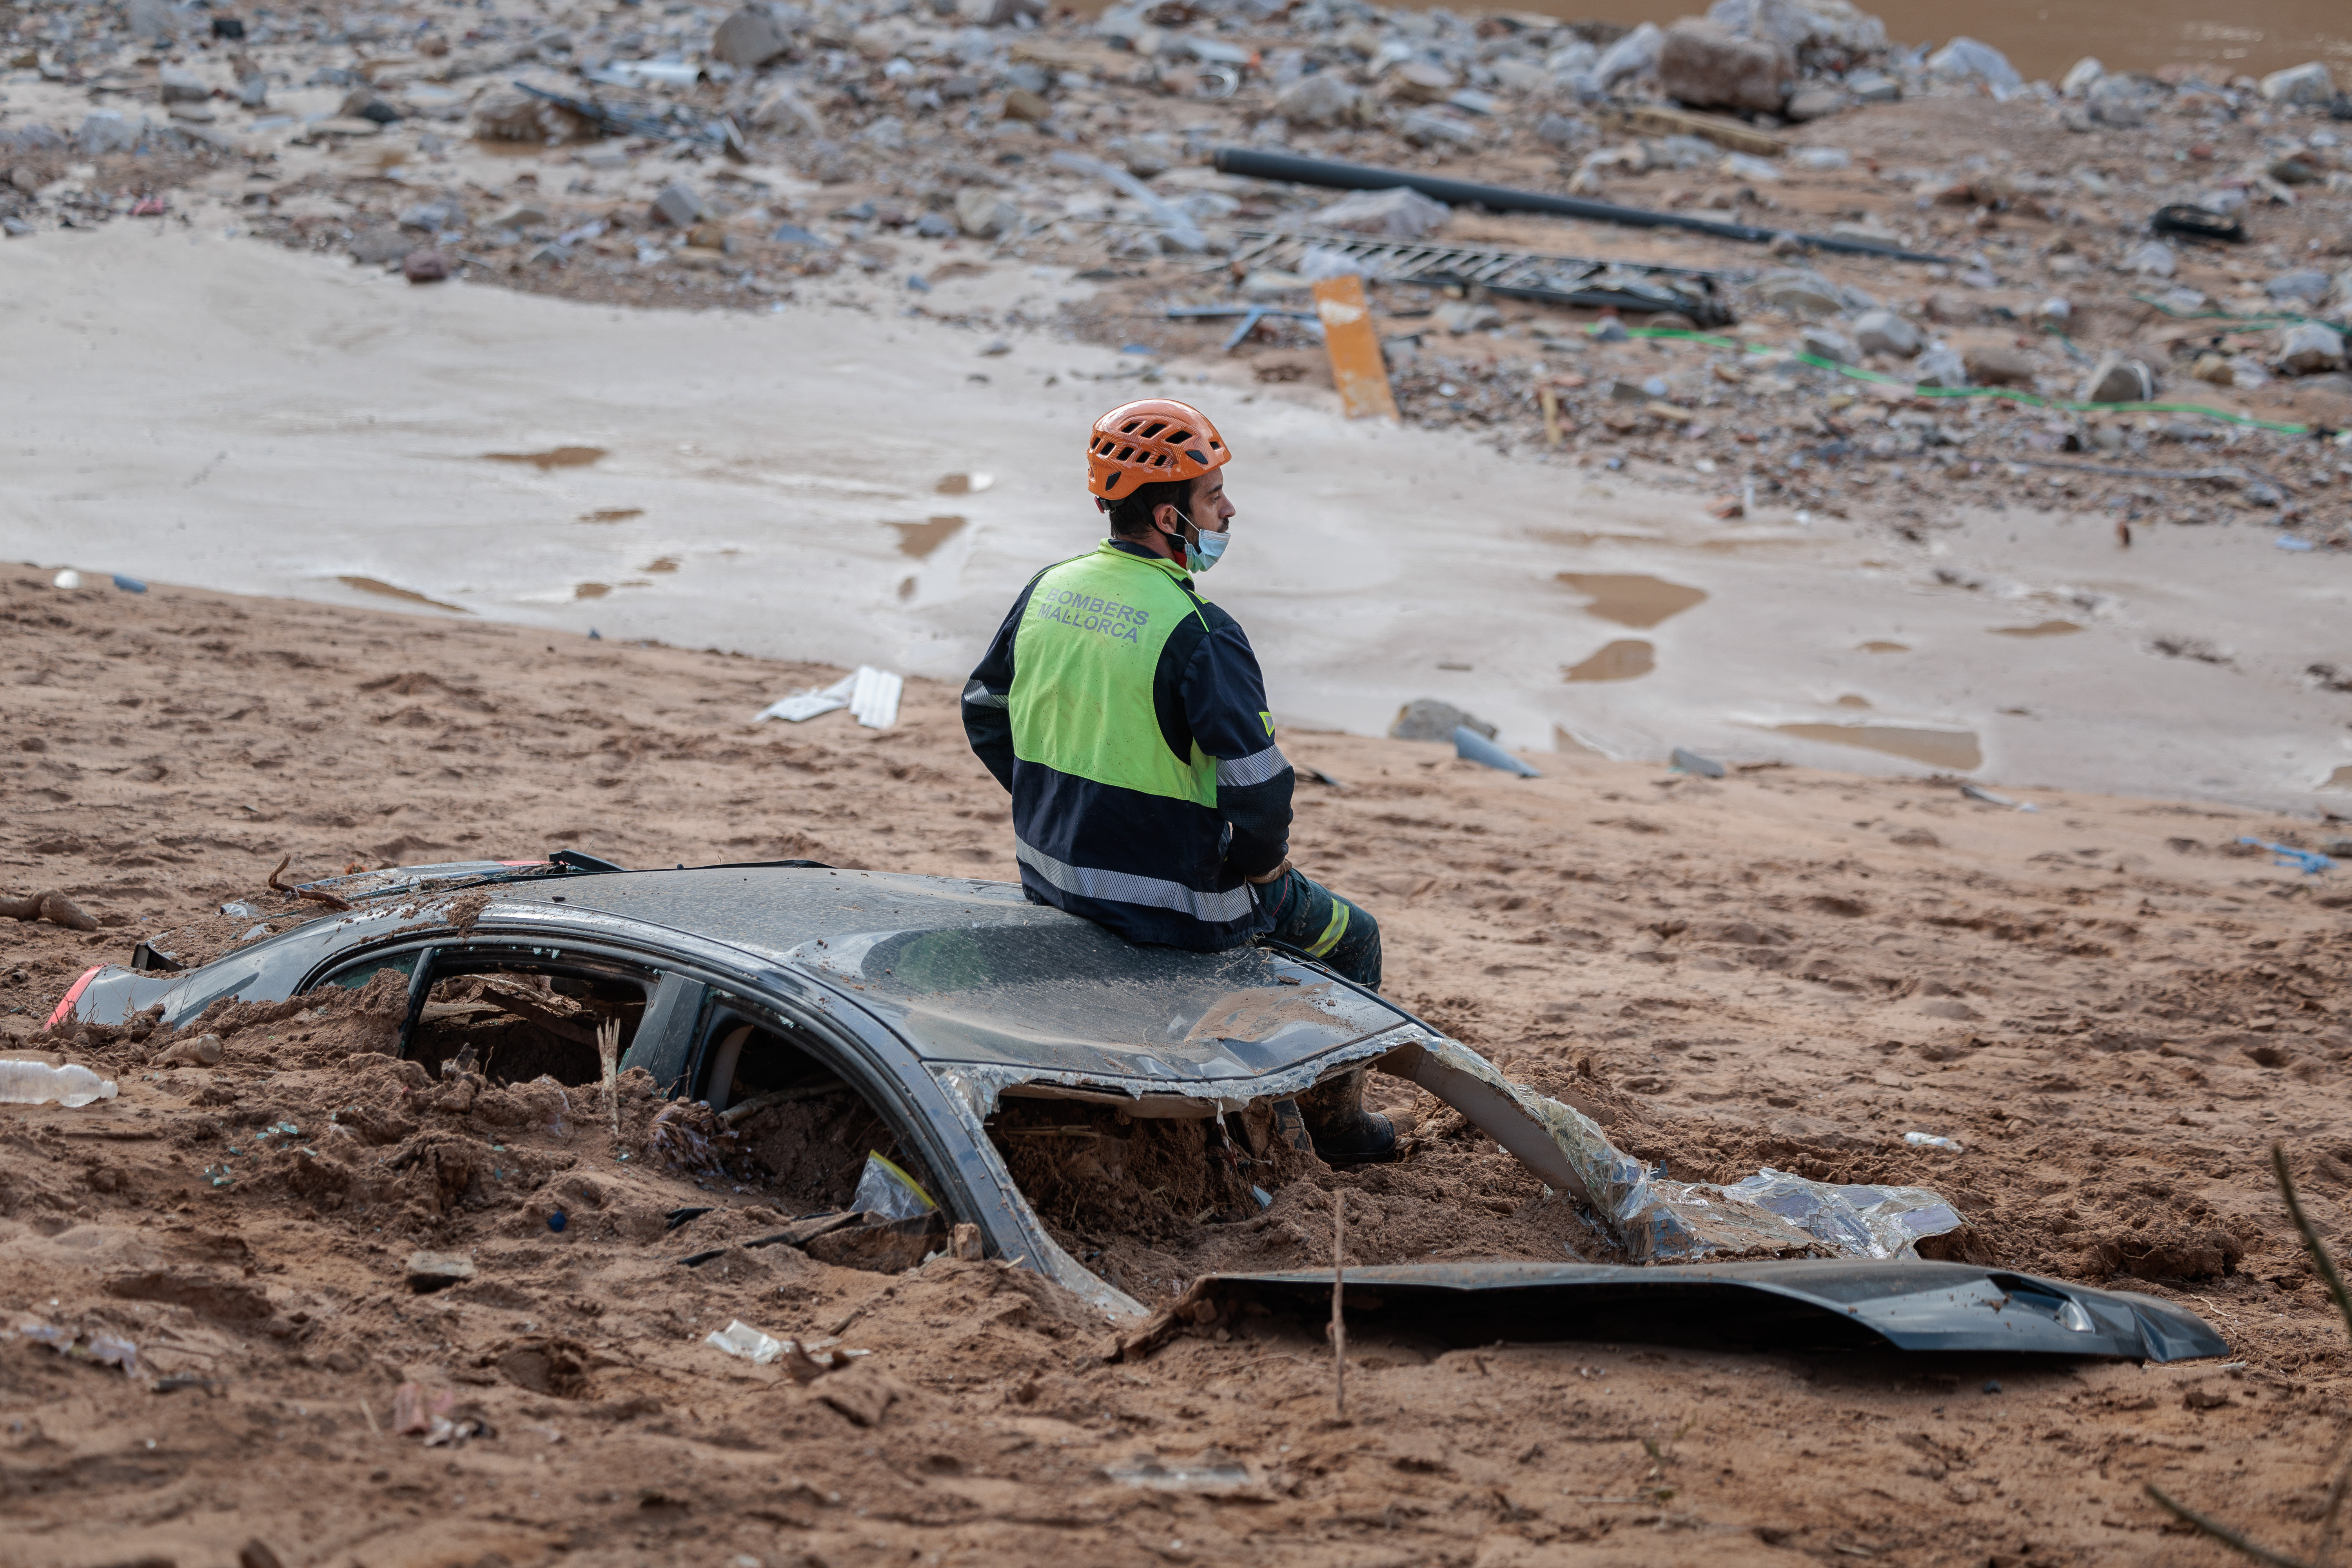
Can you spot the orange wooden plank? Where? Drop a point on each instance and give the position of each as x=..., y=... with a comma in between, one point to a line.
x=1358, y=371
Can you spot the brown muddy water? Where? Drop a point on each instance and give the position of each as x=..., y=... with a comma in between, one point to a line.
x=1621, y=660
x=920, y=539
x=553, y=457
x=409, y=596
x=1630, y=599
x=2044, y=37
x=2037, y=629
x=1953, y=749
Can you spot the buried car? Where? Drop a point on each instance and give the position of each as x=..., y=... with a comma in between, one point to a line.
x=946, y=1020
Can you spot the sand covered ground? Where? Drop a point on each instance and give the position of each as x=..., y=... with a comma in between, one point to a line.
x=2107, y=1001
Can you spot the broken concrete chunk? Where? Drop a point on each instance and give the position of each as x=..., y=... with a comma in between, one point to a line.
x=1709, y=67
x=2308, y=83
x=680, y=208
x=429, y=1271
x=1428, y=718
x=2115, y=379
x=1884, y=332
x=748, y=39
x=2308, y=349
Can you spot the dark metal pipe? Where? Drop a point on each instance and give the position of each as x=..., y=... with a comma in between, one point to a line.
x=1259, y=165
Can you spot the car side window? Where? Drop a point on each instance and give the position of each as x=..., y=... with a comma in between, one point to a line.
x=514, y=1016
x=356, y=977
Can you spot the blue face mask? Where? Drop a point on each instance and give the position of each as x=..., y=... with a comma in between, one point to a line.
x=1200, y=557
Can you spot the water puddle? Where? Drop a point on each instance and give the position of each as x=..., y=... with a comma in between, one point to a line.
x=965, y=484
x=1876, y=646
x=1620, y=660
x=1632, y=600
x=920, y=539
x=2037, y=629
x=409, y=595
x=1853, y=699
x=591, y=590
x=1953, y=749
x=2340, y=779
x=666, y=563
x=553, y=457
x=1567, y=745
x=612, y=514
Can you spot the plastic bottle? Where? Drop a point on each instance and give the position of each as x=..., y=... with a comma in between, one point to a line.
x=36, y=1083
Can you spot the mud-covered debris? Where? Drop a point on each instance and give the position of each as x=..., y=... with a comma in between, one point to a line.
x=429, y=1271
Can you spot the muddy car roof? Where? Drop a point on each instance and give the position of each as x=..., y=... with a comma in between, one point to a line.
x=972, y=971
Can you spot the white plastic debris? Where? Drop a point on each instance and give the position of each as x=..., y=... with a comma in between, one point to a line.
x=742, y=1341
x=1932, y=1141
x=68, y=578
x=72, y=1086
x=871, y=696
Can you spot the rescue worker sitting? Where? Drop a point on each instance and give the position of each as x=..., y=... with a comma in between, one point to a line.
x=1127, y=716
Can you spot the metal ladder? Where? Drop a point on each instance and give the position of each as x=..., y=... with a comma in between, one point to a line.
x=1514, y=274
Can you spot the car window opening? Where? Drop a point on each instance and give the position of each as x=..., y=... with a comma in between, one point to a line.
x=801, y=1132
x=513, y=1025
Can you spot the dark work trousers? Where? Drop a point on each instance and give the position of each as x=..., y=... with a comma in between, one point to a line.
x=1324, y=926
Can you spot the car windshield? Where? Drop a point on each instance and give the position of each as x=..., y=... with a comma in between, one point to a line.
x=972, y=972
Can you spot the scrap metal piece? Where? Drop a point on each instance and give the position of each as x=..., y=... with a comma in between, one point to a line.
x=1359, y=371
x=1808, y=1304
x=1256, y=164
x=1512, y=274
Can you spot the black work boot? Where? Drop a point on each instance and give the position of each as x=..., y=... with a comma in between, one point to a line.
x=1344, y=1133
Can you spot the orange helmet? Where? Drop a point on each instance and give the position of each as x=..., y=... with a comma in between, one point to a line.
x=1150, y=442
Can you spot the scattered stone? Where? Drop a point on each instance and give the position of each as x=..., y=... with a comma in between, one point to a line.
x=1997, y=364
x=1560, y=130
x=1635, y=53
x=1884, y=332
x=2307, y=287
x=1460, y=316
x=429, y=1271
x=424, y=266
x=984, y=212
x=2308, y=83
x=1814, y=103
x=2082, y=77
x=152, y=22
x=1399, y=212
x=178, y=84
x=1873, y=87
x=1423, y=81
x=680, y=208
x=1435, y=128
x=1804, y=293
x=1964, y=58
x=105, y=130
x=1706, y=66
x=1823, y=343
x=785, y=111
x=1428, y=718
x=1031, y=108
x=253, y=92
x=1323, y=100
x=2153, y=259
x=2115, y=379
x=380, y=247
x=748, y=39
x=2310, y=348
x=1941, y=367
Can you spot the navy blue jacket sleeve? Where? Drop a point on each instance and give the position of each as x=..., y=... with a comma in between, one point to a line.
x=1225, y=705
x=987, y=718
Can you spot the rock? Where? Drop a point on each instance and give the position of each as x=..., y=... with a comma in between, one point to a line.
x=1709, y=67
x=2308, y=83
x=1427, y=718
x=380, y=247
x=430, y=1271
x=1030, y=108
x=1560, y=130
x=2309, y=349
x=424, y=266
x=998, y=12
x=521, y=215
x=1997, y=364
x=253, y=92
x=984, y=212
x=1423, y=81
x=2056, y=311
x=1635, y=53
x=1824, y=342
x=2307, y=287
x=1145, y=157
x=2153, y=259
x=2115, y=379
x=1816, y=103
x=177, y=84
x=105, y=130
x=2212, y=367
x=152, y=22
x=679, y=207
x=1827, y=25
x=1884, y=332
x=1941, y=367
x=1460, y=316
x=1805, y=293
x=1435, y=128
x=2118, y=103
x=1520, y=76
x=2295, y=172
x=748, y=39
x=1873, y=87
x=1950, y=307
x=786, y=111
x=1964, y=58
x=1325, y=98
x=1399, y=212
x=2080, y=78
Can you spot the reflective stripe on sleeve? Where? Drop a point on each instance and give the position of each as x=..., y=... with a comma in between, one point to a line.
x=979, y=696
x=1253, y=768
x=1126, y=887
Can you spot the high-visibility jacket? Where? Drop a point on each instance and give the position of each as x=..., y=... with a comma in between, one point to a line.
x=1127, y=716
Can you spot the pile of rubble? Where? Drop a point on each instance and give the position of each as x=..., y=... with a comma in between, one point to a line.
x=2113, y=238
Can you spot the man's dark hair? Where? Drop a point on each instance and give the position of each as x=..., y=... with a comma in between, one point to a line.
x=1132, y=516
